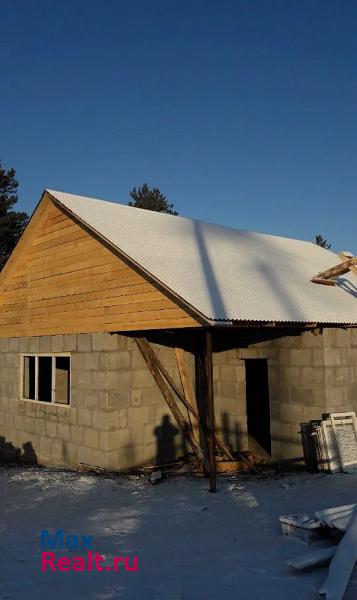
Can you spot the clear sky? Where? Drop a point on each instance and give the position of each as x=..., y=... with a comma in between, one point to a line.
x=243, y=113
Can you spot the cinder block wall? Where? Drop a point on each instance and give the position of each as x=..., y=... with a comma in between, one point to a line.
x=230, y=398
x=309, y=374
x=118, y=418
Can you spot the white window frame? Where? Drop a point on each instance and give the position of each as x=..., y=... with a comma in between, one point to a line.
x=52, y=355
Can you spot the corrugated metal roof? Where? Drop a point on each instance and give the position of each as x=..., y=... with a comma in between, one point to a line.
x=224, y=273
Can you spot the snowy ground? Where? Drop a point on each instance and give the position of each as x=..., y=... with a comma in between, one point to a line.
x=191, y=544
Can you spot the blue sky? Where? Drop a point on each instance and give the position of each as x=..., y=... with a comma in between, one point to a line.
x=244, y=113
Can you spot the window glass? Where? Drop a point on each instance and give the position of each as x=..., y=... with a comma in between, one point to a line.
x=45, y=378
x=29, y=378
x=62, y=382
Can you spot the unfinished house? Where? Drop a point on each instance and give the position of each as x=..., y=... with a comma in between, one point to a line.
x=131, y=337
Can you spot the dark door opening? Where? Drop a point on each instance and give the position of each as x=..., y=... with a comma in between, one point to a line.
x=258, y=409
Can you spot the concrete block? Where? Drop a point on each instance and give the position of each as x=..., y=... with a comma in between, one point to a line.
x=13, y=345
x=151, y=396
x=51, y=428
x=300, y=358
x=119, y=399
x=91, y=361
x=91, y=437
x=312, y=376
x=92, y=456
x=84, y=417
x=104, y=341
x=76, y=434
x=136, y=359
x=136, y=398
x=70, y=453
x=24, y=345
x=56, y=450
x=45, y=343
x=34, y=344
x=123, y=417
x=70, y=342
x=64, y=431
x=333, y=357
x=57, y=343
x=84, y=342
x=114, y=380
x=142, y=378
x=119, y=360
x=45, y=446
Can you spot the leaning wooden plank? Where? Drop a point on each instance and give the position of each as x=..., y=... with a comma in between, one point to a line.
x=342, y=564
x=170, y=400
x=346, y=256
x=340, y=269
x=149, y=350
x=188, y=390
x=323, y=281
x=337, y=517
x=313, y=560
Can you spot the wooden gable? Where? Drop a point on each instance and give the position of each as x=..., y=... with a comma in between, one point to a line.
x=62, y=279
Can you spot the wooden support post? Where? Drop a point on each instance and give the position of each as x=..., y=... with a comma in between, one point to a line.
x=149, y=358
x=208, y=378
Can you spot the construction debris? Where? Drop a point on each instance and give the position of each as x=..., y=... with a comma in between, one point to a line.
x=308, y=529
x=330, y=444
x=329, y=276
x=336, y=518
x=156, y=476
x=341, y=521
x=342, y=564
x=313, y=560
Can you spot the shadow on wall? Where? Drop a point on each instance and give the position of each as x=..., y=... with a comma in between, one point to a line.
x=232, y=433
x=9, y=453
x=166, y=446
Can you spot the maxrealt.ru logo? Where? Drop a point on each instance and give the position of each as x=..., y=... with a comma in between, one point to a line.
x=82, y=544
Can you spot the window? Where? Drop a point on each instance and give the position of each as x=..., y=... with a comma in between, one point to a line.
x=46, y=378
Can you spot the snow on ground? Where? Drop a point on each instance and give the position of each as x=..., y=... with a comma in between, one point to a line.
x=191, y=544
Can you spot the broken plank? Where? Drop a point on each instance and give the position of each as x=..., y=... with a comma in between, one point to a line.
x=340, y=269
x=313, y=560
x=342, y=564
x=323, y=281
x=337, y=517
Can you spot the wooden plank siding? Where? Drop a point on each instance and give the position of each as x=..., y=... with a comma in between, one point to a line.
x=62, y=279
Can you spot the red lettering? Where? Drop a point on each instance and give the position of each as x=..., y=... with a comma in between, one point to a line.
x=117, y=560
x=64, y=563
x=98, y=558
x=135, y=563
x=48, y=561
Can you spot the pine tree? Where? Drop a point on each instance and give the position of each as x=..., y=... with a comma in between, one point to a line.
x=151, y=199
x=12, y=222
x=320, y=241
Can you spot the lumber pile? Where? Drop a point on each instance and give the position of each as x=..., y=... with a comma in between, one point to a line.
x=340, y=557
x=330, y=444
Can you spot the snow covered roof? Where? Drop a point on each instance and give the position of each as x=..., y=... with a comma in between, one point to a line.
x=223, y=273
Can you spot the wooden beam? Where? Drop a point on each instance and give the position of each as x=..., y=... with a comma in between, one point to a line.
x=323, y=281
x=168, y=377
x=346, y=256
x=340, y=269
x=145, y=348
x=208, y=369
x=188, y=390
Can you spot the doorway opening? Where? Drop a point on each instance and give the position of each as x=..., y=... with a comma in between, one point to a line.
x=258, y=408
